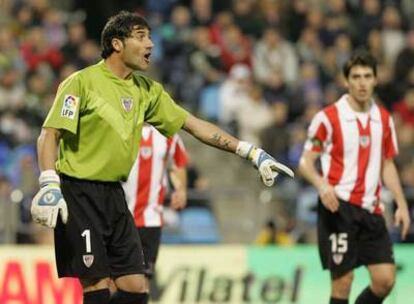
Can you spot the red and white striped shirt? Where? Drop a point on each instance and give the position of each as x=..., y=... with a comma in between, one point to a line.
x=146, y=185
x=352, y=152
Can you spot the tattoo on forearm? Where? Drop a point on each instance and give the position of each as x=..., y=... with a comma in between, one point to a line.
x=219, y=141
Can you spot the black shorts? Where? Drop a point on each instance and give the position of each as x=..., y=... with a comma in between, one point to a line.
x=352, y=237
x=150, y=240
x=99, y=239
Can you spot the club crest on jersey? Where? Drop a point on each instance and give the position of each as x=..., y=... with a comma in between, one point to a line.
x=127, y=103
x=146, y=152
x=69, y=106
x=338, y=258
x=364, y=141
x=88, y=260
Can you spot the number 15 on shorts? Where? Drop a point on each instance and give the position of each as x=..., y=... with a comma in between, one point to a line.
x=339, y=242
x=339, y=246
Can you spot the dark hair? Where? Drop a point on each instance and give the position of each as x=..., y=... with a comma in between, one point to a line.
x=120, y=26
x=362, y=58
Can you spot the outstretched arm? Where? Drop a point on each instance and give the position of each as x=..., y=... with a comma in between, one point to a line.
x=212, y=135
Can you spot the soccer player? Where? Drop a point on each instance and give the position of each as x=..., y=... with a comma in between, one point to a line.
x=356, y=142
x=88, y=144
x=146, y=186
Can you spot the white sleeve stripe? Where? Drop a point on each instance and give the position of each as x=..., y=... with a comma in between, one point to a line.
x=393, y=134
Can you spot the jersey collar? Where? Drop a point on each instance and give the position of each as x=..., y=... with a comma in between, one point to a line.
x=350, y=114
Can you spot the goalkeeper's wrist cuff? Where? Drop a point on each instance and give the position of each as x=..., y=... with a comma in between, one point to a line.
x=244, y=149
x=247, y=150
x=48, y=177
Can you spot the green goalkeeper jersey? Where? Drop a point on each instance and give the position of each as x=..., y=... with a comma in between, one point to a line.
x=101, y=117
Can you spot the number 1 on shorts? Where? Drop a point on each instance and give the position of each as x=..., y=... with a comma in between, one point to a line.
x=87, y=235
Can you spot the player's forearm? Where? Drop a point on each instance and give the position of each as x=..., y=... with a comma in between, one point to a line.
x=392, y=182
x=308, y=171
x=47, y=144
x=179, y=179
x=210, y=134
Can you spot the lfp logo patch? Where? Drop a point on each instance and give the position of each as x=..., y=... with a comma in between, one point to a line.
x=70, y=106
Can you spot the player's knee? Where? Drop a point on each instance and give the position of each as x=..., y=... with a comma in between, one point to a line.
x=136, y=283
x=94, y=284
x=383, y=285
x=341, y=284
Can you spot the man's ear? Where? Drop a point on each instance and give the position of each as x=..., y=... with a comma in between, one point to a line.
x=345, y=82
x=117, y=44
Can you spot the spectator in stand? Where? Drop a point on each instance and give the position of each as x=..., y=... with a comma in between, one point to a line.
x=230, y=92
x=309, y=90
x=386, y=90
x=235, y=47
x=405, y=59
x=274, y=138
x=12, y=88
x=202, y=12
x=404, y=110
x=271, y=13
x=253, y=114
x=392, y=33
x=275, y=64
x=343, y=48
x=315, y=19
x=76, y=37
x=221, y=23
x=405, y=135
x=407, y=7
x=176, y=42
x=54, y=28
x=309, y=47
x=369, y=19
x=336, y=21
x=329, y=67
x=205, y=58
x=247, y=18
x=206, y=70
x=88, y=53
x=296, y=18
x=375, y=45
x=9, y=51
x=23, y=20
x=272, y=234
x=36, y=51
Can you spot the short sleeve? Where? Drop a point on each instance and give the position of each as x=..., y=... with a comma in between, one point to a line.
x=390, y=146
x=317, y=133
x=64, y=113
x=163, y=113
x=179, y=154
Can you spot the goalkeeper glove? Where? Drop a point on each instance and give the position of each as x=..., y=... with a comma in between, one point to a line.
x=49, y=201
x=268, y=167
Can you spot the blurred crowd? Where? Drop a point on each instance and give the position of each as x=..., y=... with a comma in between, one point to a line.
x=259, y=68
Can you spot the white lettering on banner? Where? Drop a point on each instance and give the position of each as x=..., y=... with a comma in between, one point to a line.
x=198, y=285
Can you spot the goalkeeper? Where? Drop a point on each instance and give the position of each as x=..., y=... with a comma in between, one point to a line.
x=87, y=146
